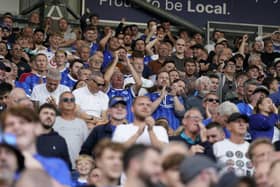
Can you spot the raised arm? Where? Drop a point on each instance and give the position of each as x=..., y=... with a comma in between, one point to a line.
x=136, y=77
x=105, y=40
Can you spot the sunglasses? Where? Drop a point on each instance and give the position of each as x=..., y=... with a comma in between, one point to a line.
x=98, y=84
x=212, y=100
x=68, y=100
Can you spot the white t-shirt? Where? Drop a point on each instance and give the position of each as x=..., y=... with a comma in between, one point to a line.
x=92, y=104
x=234, y=157
x=41, y=94
x=124, y=132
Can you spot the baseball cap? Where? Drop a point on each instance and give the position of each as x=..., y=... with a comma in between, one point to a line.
x=235, y=116
x=115, y=100
x=4, y=67
x=261, y=88
x=192, y=166
x=9, y=141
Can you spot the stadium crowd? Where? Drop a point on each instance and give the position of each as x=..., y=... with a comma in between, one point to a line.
x=103, y=107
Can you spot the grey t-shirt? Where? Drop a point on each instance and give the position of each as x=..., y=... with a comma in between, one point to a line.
x=74, y=132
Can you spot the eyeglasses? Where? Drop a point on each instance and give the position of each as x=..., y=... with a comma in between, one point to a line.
x=98, y=84
x=68, y=100
x=212, y=100
x=194, y=117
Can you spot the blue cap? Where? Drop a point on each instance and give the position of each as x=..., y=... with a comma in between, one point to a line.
x=9, y=141
x=115, y=100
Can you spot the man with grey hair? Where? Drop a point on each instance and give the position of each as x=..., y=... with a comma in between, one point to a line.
x=203, y=87
x=224, y=110
x=50, y=91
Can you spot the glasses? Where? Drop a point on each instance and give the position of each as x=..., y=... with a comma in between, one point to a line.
x=194, y=117
x=212, y=100
x=68, y=100
x=98, y=84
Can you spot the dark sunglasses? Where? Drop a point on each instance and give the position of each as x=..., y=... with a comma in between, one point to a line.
x=68, y=100
x=212, y=100
x=98, y=84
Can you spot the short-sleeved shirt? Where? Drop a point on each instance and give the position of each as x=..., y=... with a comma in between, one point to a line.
x=92, y=104
x=124, y=132
x=234, y=157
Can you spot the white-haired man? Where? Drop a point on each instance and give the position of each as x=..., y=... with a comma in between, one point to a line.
x=50, y=91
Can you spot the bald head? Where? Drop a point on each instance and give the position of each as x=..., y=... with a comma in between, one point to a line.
x=18, y=97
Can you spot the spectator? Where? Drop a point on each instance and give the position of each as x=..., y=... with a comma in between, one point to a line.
x=142, y=130
x=17, y=120
x=202, y=85
x=50, y=91
x=138, y=65
x=21, y=59
x=84, y=165
x=249, y=88
x=227, y=85
x=210, y=105
x=91, y=99
x=72, y=76
x=261, y=150
x=261, y=124
x=108, y=157
x=117, y=115
x=214, y=132
x=170, y=174
x=190, y=75
x=91, y=36
x=3, y=71
x=201, y=166
x=11, y=159
x=179, y=56
x=116, y=86
x=156, y=65
x=214, y=83
x=71, y=128
x=5, y=90
x=193, y=133
x=40, y=67
x=49, y=142
x=232, y=151
x=18, y=97
x=55, y=40
x=69, y=36
x=141, y=163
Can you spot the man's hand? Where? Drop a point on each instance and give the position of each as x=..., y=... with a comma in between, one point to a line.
x=203, y=135
x=196, y=149
x=150, y=122
x=140, y=130
x=51, y=100
x=163, y=92
x=245, y=37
